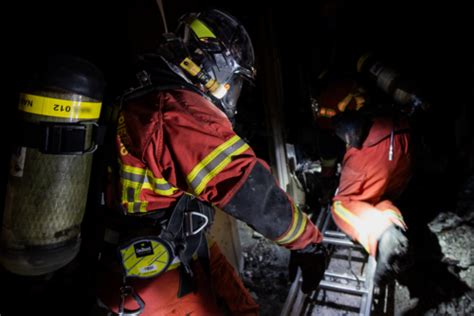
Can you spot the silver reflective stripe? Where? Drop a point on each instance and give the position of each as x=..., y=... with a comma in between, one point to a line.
x=136, y=179
x=136, y=207
x=210, y=166
x=130, y=194
x=158, y=186
x=296, y=229
x=141, y=179
x=133, y=177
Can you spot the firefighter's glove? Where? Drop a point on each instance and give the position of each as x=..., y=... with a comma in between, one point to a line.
x=328, y=187
x=312, y=260
x=328, y=180
x=392, y=254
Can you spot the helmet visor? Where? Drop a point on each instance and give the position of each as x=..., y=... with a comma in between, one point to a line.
x=232, y=35
x=229, y=101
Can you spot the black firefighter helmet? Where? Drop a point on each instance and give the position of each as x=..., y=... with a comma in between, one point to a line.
x=216, y=54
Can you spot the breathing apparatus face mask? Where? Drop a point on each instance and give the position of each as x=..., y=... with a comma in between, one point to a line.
x=352, y=138
x=221, y=56
x=352, y=128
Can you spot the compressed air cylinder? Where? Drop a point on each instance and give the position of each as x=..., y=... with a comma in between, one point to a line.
x=386, y=78
x=390, y=81
x=48, y=184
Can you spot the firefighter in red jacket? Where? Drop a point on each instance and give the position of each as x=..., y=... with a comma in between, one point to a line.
x=178, y=157
x=336, y=97
x=375, y=170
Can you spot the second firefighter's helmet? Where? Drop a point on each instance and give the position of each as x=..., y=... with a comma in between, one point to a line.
x=219, y=55
x=336, y=97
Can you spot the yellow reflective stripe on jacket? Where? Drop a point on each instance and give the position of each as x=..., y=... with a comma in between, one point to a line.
x=360, y=102
x=158, y=185
x=358, y=99
x=391, y=212
x=342, y=105
x=144, y=179
x=326, y=112
x=398, y=217
x=131, y=197
x=298, y=224
x=214, y=163
x=346, y=215
x=134, y=180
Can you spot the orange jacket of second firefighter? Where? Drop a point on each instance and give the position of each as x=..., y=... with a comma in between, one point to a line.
x=176, y=141
x=369, y=180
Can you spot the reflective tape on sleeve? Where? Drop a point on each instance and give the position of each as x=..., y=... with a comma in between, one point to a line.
x=298, y=224
x=350, y=219
x=215, y=162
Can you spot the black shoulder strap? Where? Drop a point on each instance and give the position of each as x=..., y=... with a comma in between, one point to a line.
x=154, y=74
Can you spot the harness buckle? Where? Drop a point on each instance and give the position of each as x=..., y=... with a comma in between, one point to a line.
x=125, y=291
x=189, y=223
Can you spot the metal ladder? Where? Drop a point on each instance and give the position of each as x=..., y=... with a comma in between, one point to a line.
x=356, y=279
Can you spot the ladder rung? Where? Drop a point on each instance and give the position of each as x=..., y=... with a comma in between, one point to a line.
x=344, y=276
x=336, y=287
x=332, y=233
x=339, y=242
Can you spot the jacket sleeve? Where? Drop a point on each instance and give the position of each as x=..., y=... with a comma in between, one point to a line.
x=201, y=154
x=269, y=210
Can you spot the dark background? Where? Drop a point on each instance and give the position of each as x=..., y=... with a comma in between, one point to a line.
x=430, y=43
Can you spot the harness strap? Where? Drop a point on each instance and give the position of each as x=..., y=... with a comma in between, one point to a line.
x=61, y=138
x=186, y=227
x=198, y=245
x=174, y=227
x=184, y=232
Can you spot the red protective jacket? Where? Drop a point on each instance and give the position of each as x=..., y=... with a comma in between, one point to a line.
x=176, y=141
x=362, y=206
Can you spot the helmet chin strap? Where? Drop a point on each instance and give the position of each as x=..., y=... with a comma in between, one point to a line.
x=217, y=89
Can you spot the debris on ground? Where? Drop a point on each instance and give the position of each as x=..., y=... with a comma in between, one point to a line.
x=265, y=271
x=441, y=281
x=445, y=272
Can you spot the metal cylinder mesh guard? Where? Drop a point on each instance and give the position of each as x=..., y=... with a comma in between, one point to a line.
x=47, y=192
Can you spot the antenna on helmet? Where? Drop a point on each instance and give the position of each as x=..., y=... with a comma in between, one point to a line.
x=162, y=12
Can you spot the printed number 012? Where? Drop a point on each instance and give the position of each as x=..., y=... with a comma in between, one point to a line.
x=62, y=108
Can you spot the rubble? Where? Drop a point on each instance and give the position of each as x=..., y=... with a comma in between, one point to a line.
x=456, y=243
x=455, y=233
x=447, y=262
x=265, y=271
x=442, y=282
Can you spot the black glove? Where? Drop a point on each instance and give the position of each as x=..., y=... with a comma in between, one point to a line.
x=328, y=187
x=392, y=254
x=313, y=262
